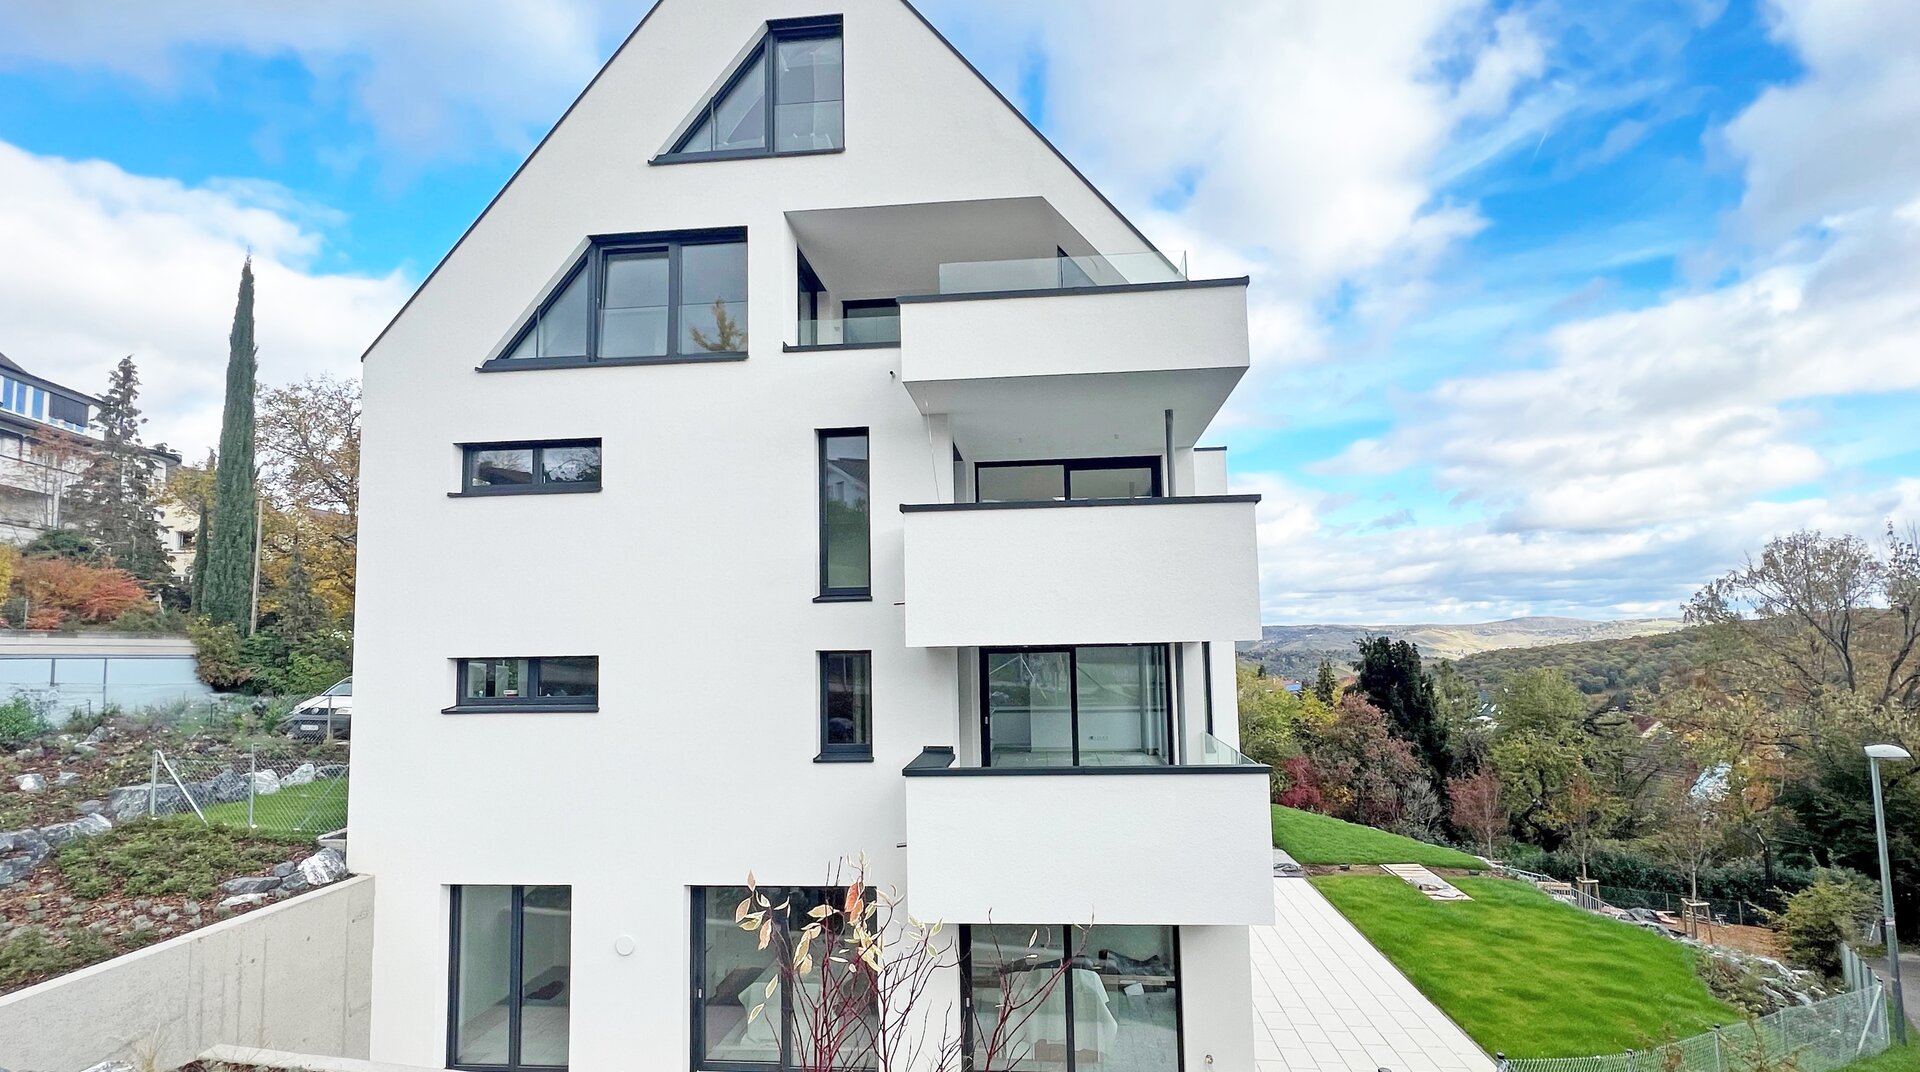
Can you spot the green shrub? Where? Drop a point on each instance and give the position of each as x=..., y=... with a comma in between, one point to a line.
x=1743, y=881
x=1833, y=910
x=21, y=721
x=28, y=955
x=217, y=654
x=84, y=720
x=174, y=855
x=149, y=618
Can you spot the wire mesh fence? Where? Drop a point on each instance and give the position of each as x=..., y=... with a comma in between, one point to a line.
x=1805, y=1038
x=270, y=794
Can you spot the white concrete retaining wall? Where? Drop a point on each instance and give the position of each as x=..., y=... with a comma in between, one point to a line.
x=292, y=976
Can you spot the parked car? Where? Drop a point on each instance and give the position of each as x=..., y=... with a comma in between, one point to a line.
x=330, y=712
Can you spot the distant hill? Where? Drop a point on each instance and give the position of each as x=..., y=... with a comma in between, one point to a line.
x=1298, y=650
x=1612, y=668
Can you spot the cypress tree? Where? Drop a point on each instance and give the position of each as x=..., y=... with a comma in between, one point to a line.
x=301, y=615
x=226, y=594
x=113, y=501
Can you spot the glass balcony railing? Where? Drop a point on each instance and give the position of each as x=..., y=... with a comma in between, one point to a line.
x=851, y=331
x=1062, y=273
x=1215, y=752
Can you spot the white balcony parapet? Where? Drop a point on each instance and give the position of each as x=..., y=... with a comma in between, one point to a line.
x=1186, y=845
x=1067, y=372
x=1086, y=571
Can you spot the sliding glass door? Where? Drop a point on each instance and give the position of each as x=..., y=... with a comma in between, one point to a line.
x=1052, y=998
x=1076, y=707
x=511, y=977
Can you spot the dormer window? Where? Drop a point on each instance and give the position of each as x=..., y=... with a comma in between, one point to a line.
x=784, y=98
x=640, y=299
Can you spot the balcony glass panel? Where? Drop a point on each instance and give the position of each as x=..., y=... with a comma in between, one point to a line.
x=1121, y=705
x=1058, y=273
x=1067, y=707
x=872, y=330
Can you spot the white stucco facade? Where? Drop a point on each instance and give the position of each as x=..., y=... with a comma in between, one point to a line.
x=694, y=573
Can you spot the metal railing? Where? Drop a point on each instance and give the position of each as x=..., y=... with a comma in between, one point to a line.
x=1806, y=1038
x=276, y=795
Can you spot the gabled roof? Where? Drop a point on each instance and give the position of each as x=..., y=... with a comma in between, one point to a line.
x=615, y=58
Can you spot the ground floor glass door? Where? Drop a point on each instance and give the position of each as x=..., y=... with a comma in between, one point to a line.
x=511, y=979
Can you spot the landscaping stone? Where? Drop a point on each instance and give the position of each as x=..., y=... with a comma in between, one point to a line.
x=284, y=868
x=248, y=885
x=110, y=1066
x=330, y=770
x=65, y=778
x=84, y=827
x=265, y=783
x=30, y=783
x=130, y=801
x=301, y=775
x=323, y=867
x=240, y=900
x=20, y=852
x=295, y=883
x=92, y=807
x=100, y=733
x=224, y=788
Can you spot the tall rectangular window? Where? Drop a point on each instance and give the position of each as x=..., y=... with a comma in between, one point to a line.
x=846, y=564
x=550, y=683
x=515, y=468
x=511, y=977
x=846, y=705
x=642, y=298
x=1071, y=999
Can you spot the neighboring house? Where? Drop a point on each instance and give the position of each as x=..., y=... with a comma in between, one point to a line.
x=45, y=446
x=661, y=590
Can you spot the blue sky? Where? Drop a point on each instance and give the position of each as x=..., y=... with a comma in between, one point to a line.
x=1559, y=308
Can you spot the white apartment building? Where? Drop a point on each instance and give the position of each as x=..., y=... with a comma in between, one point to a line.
x=799, y=459
x=45, y=444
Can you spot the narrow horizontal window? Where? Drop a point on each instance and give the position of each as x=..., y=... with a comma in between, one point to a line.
x=636, y=299
x=548, y=682
x=513, y=468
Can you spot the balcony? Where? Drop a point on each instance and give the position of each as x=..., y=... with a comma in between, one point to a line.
x=1108, y=571
x=1074, y=356
x=1186, y=845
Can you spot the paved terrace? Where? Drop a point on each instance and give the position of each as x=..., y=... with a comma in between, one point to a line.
x=1324, y=1000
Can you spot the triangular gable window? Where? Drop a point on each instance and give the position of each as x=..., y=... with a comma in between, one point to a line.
x=785, y=97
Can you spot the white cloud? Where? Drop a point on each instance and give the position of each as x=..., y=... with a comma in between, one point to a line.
x=101, y=263
x=431, y=76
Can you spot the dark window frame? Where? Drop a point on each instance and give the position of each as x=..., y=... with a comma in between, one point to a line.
x=593, y=263
x=515, y=946
x=844, y=753
x=1073, y=698
x=828, y=593
x=965, y=965
x=697, y=990
x=778, y=30
x=540, y=485
x=532, y=701
x=1149, y=462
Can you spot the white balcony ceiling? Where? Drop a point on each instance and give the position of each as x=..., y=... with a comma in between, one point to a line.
x=891, y=250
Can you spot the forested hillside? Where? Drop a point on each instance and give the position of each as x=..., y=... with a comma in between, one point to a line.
x=1614, y=669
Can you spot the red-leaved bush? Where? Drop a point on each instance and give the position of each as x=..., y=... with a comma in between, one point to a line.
x=59, y=591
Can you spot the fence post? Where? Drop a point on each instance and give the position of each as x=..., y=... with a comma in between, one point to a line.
x=253, y=769
x=153, y=783
x=1500, y=1062
x=1719, y=1055
x=1633, y=1065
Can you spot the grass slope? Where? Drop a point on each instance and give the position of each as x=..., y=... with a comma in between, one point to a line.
x=297, y=811
x=1322, y=839
x=1527, y=976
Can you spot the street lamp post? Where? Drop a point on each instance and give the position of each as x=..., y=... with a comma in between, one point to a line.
x=1876, y=753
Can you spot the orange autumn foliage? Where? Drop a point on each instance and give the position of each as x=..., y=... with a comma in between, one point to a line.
x=57, y=589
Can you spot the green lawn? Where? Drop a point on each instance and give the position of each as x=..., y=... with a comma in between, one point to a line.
x=1321, y=839
x=300, y=811
x=1526, y=975
x=1896, y=1059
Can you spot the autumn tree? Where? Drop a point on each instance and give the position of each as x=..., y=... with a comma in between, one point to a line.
x=1326, y=686
x=309, y=435
x=1477, y=807
x=114, y=500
